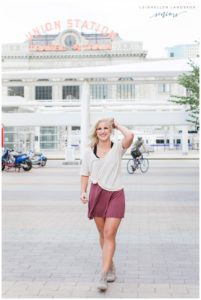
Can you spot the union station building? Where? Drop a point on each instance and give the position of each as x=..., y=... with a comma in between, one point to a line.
x=56, y=85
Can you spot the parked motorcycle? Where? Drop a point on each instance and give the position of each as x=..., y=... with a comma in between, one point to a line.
x=37, y=159
x=11, y=159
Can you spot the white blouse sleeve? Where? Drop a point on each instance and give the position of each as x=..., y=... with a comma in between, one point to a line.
x=84, y=171
x=121, y=149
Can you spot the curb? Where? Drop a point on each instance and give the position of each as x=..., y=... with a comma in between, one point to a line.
x=77, y=161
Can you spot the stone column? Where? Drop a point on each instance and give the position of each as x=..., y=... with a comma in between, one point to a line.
x=85, y=117
x=184, y=140
x=69, y=135
x=4, y=91
x=56, y=92
x=171, y=137
x=32, y=138
x=137, y=91
x=113, y=88
x=27, y=93
x=37, y=139
x=69, y=150
x=31, y=92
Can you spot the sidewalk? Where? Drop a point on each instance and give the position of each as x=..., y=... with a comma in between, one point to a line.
x=50, y=248
x=173, y=154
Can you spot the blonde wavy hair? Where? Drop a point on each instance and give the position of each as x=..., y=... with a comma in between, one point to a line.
x=93, y=135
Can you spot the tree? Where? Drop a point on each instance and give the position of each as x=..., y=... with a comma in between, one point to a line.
x=191, y=100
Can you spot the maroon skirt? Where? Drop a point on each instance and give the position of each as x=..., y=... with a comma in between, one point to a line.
x=105, y=204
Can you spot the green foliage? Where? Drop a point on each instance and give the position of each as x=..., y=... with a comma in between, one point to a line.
x=191, y=100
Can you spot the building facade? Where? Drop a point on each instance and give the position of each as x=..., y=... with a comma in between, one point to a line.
x=54, y=86
x=184, y=51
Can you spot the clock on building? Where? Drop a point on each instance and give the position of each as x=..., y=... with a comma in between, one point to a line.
x=70, y=41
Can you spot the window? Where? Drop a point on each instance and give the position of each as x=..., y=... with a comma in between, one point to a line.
x=46, y=39
x=160, y=141
x=70, y=40
x=164, y=87
x=19, y=138
x=44, y=79
x=15, y=80
x=192, y=131
x=43, y=92
x=9, y=137
x=125, y=90
x=49, y=137
x=71, y=92
x=99, y=91
x=16, y=91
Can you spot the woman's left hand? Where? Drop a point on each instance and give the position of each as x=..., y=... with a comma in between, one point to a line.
x=83, y=197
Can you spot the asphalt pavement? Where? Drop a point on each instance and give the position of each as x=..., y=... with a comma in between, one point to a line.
x=51, y=250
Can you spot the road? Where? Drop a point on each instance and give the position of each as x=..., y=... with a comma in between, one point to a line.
x=50, y=248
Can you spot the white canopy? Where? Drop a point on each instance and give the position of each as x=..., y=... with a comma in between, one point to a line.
x=141, y=68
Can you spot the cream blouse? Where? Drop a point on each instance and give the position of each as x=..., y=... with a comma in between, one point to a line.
x=105, y=171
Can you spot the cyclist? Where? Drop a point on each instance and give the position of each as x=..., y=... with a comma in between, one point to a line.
x=137, y=147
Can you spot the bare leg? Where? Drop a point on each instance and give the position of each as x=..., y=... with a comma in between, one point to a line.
x=110, y=229
x=100, y=223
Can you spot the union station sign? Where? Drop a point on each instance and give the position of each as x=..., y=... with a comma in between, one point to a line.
x=70, y=39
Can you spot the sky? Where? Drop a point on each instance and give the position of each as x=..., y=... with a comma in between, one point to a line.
x=157, y=23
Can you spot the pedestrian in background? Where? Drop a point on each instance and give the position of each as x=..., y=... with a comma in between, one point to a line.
x=106, y=202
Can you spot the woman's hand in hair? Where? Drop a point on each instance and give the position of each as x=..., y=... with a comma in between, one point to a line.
x=115, y=124
x=128, y=135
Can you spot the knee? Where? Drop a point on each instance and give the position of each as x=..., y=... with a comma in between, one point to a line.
x=109, y=234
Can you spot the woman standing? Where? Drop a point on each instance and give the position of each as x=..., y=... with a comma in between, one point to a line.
x=102, y=164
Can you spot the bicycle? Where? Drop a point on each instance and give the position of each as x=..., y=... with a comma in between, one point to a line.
x=137, y=162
